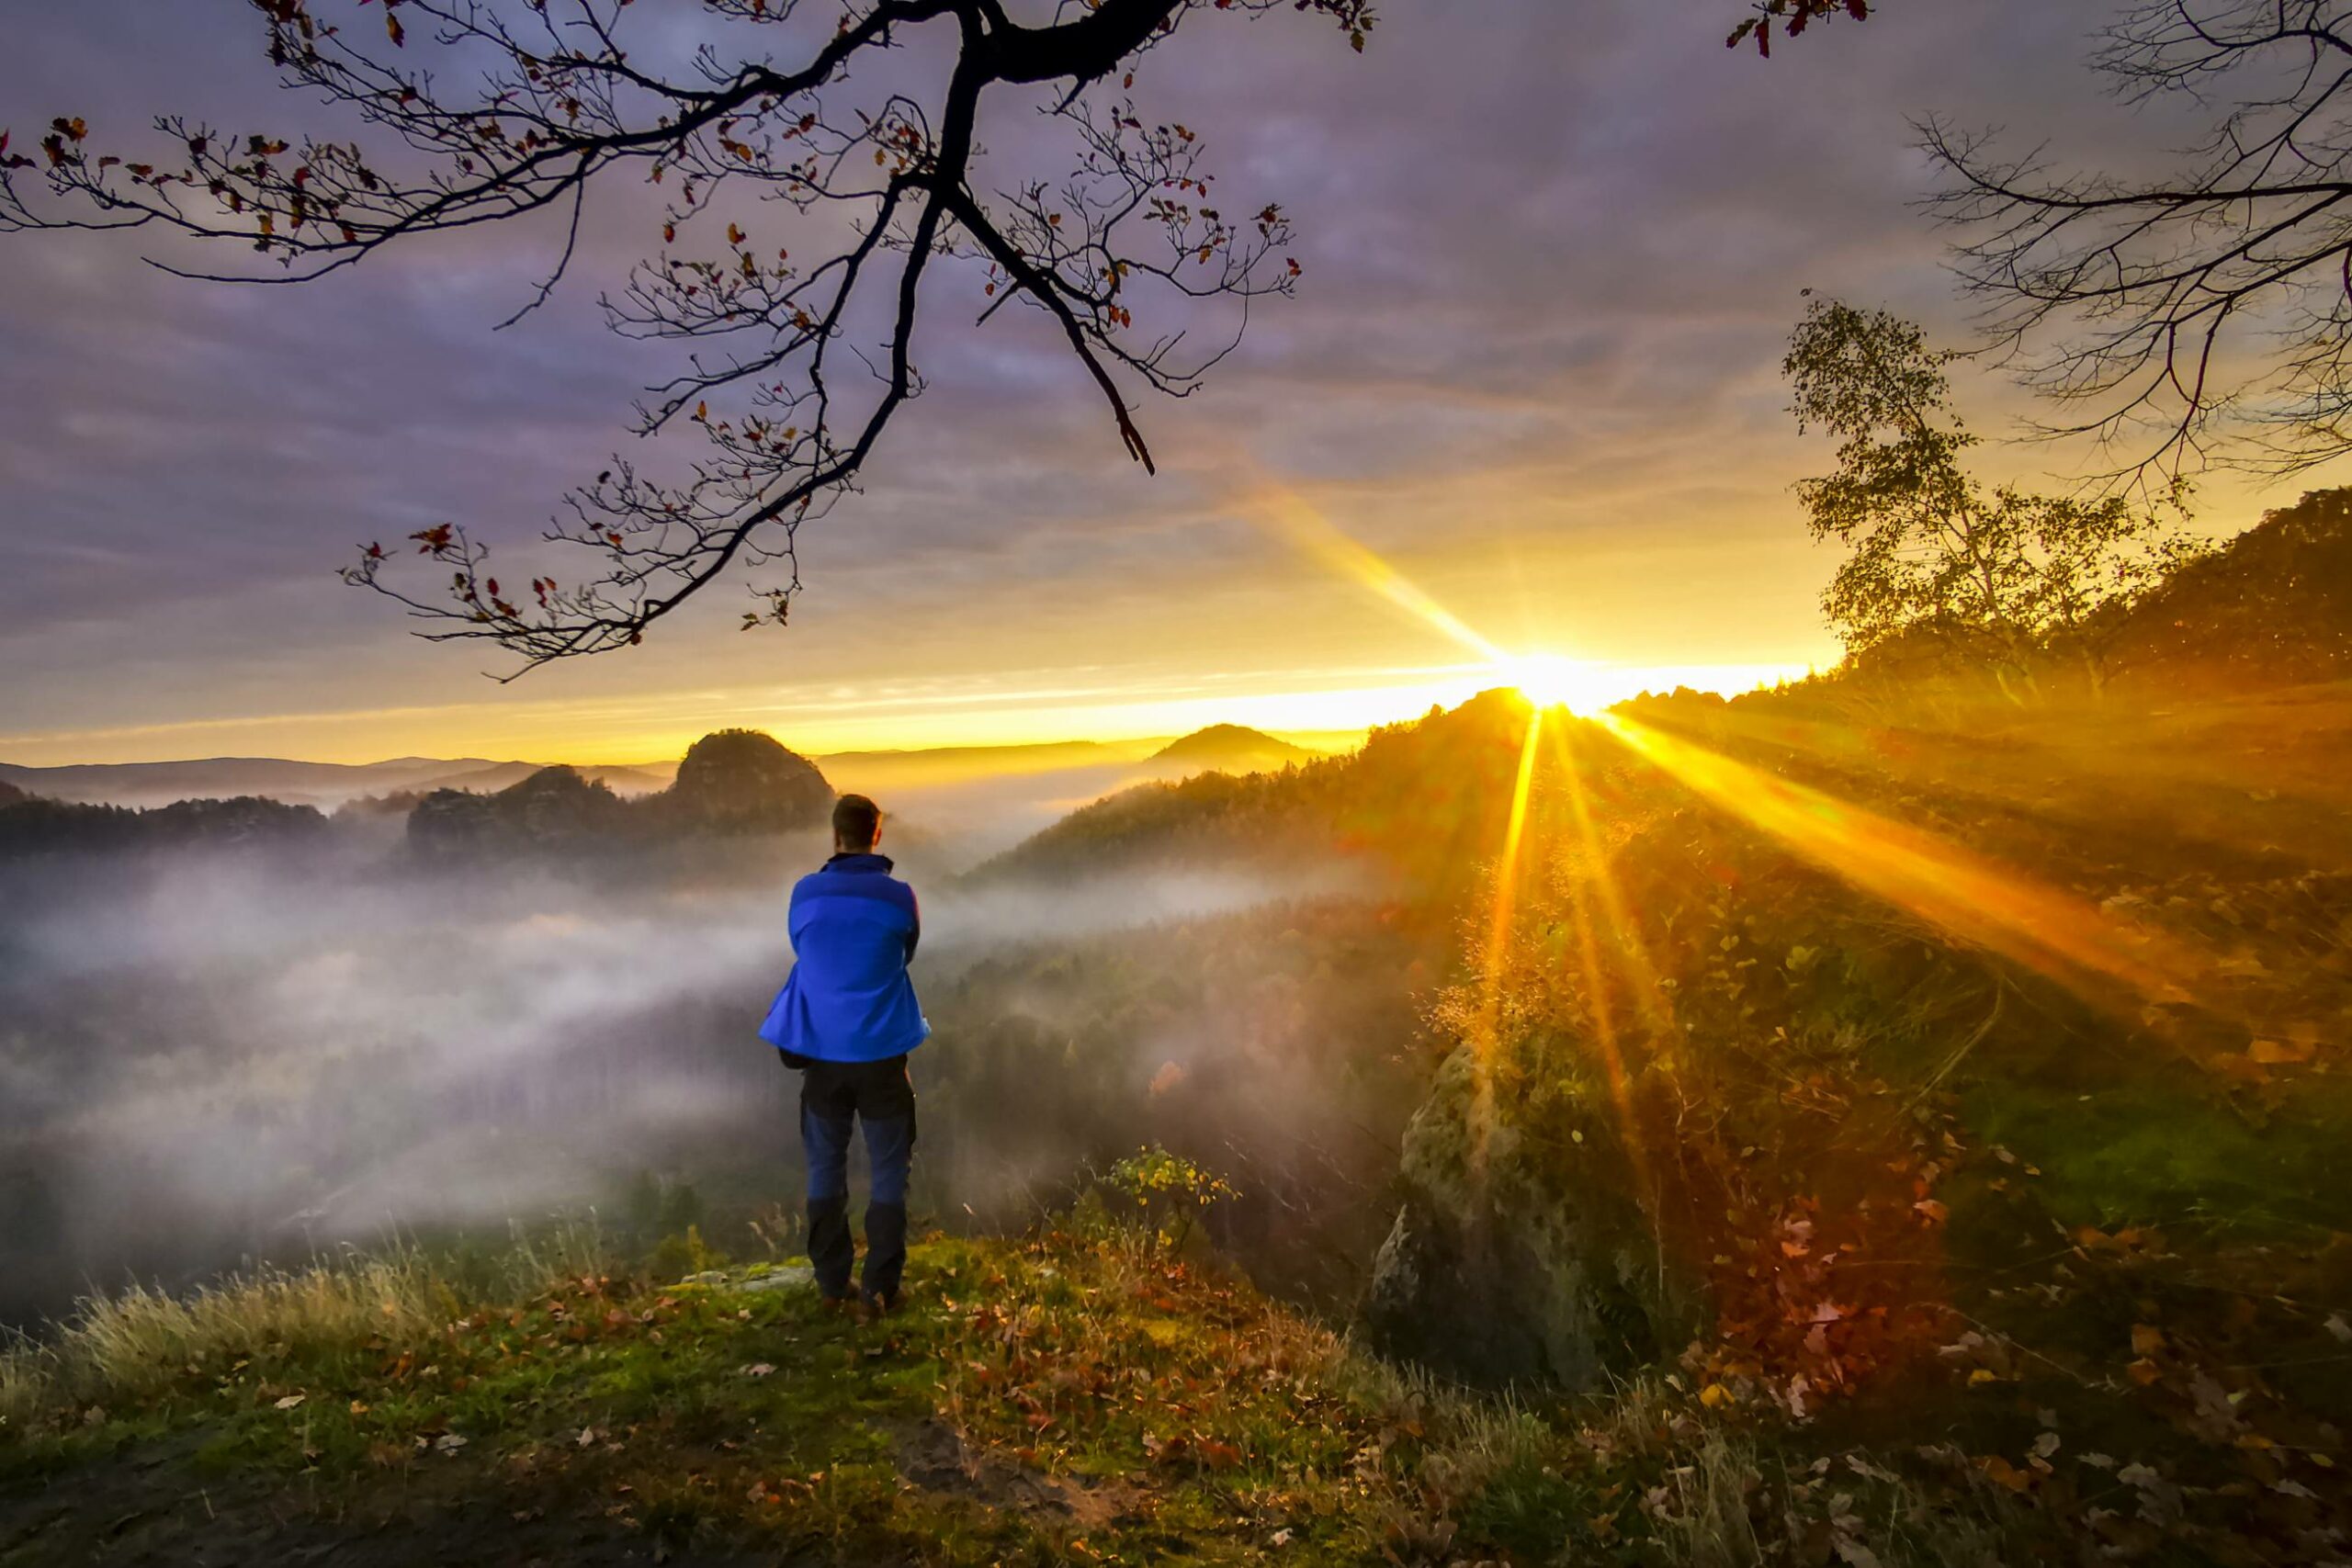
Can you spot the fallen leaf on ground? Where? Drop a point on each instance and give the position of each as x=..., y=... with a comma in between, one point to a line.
x=2002, y=1472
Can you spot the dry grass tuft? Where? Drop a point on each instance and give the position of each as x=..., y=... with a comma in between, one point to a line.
x=131, y=1345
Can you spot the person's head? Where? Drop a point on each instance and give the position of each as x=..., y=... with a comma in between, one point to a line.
x=858, y=825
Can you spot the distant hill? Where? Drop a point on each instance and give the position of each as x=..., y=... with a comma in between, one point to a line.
x=495, y=776
x=324, y=784
x=992, y=795
x=35, y=827
x=936, y=767
x=160, y=783
x=552, y=809
x=1426, y=798
x=1228, y=749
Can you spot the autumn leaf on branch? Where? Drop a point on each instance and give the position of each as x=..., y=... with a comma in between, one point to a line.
x=1790, y=17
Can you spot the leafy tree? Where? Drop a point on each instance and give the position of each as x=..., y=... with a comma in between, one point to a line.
x=2204, y=313
x=1998, y=574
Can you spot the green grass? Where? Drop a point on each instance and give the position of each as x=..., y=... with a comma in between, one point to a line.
x=1063, y=1399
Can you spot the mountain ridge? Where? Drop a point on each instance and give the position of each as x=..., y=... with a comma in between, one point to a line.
x=295, y=782
x=1231, y=748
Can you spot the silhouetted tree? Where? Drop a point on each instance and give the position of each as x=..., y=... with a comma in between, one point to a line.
x=871, y=172
x=2206, y=312
x=2005, y=575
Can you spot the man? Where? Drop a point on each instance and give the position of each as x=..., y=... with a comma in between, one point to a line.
x=846, y=1019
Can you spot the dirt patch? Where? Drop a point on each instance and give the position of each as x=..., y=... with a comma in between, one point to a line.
x=935, y=1456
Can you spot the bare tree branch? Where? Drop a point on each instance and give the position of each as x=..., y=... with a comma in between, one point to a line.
x=2201, y=317
x=881, y=176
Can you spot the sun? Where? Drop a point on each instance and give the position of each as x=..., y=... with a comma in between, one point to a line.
x=1549, y=680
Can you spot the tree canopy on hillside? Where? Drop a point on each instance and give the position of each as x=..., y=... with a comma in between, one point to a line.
x=2272, y=607
x=2001, y=575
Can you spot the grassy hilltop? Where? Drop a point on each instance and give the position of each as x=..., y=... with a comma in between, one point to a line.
x=1082, y=1395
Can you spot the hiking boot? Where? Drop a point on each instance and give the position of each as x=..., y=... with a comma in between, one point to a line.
x=885, y=1251
x=830, y=1250
x=879, y=1303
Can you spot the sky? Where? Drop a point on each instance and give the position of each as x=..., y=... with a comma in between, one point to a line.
x=1552, y=256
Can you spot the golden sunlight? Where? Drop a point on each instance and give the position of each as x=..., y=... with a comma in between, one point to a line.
x=1550, y=681
x=2054, y=933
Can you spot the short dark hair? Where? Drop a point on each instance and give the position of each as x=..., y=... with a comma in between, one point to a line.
x=857, y=822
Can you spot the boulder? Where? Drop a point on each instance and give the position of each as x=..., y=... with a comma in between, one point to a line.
x=1514, y=1260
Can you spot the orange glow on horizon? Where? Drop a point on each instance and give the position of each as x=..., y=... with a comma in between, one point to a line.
x=1147, y=686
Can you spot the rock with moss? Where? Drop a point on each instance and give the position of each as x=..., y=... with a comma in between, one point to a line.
x=1517, y=1258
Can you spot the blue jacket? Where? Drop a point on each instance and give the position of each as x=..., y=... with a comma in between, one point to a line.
x=848, y=998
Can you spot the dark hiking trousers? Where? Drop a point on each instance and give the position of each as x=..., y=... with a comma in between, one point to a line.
x=833, y=1096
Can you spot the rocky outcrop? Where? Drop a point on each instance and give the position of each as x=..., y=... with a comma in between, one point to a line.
x=742, y=781
x=1517, y=1261
x=733, y=782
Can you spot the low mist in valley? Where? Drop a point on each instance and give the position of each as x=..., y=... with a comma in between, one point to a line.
x=219, y=1053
